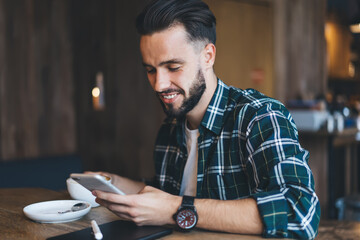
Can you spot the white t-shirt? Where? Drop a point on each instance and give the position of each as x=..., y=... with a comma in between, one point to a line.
x=189, y=181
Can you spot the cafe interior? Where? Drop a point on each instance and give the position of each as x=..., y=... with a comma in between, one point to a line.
x=74, y=94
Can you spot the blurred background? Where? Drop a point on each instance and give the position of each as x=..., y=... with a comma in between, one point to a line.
x=74, y=95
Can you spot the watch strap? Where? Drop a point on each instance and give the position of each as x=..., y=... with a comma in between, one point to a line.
x=186, y=204
x=187, y=201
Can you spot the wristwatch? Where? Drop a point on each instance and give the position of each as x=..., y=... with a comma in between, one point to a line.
x=186, y=216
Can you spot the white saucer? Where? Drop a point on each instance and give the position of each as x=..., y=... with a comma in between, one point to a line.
x=48, y=212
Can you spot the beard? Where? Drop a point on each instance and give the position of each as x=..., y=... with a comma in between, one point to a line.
x=196, y=91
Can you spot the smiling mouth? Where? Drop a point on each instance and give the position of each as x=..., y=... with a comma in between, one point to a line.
x=170, y=96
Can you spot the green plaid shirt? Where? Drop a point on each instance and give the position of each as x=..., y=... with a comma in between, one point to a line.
x=248, y=147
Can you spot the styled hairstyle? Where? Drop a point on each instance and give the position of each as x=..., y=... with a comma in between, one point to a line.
x=194, y=15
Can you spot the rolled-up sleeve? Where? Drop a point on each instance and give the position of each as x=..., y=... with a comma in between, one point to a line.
x=281, y=180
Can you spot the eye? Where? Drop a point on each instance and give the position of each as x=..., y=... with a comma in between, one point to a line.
x=173, y=69
x=150, y=70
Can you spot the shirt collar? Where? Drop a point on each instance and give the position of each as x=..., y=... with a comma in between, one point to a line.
x=214, y=115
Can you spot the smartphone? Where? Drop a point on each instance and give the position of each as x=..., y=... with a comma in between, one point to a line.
x=95, y=182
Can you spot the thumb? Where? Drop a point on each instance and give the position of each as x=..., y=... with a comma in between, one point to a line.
x=147, y=189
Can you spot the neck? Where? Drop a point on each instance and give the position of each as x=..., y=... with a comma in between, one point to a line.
x=195, y=116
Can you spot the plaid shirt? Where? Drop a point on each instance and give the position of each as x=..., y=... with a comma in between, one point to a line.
x=248, y=147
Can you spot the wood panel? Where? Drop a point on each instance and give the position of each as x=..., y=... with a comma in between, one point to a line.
x=244, y=44
x=300, y=49
x=37, y=114
x=121, y=137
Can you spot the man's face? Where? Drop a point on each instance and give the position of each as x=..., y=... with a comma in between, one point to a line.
x=173, y=69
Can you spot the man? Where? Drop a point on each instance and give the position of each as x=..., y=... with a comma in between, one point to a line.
x=233, y=154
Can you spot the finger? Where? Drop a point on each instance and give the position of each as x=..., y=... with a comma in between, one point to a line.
x=111, y=205
x=138, y=220
x=123, y=216
x=115, y=198
x=120, y=210
x=148, y=189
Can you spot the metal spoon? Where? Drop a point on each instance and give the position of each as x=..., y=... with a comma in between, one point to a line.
x=75, y=207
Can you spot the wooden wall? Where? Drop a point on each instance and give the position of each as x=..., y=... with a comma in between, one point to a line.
x=244, y=44
x=51, y=50
x=300, y=49
x=37, y=114
x=283, y=39
x=121, y=137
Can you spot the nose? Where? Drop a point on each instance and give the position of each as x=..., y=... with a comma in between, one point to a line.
x=161, y=81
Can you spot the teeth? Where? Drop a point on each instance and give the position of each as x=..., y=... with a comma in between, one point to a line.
x=170, y=96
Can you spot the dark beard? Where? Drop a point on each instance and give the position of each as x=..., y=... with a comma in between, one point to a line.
x=196, y=92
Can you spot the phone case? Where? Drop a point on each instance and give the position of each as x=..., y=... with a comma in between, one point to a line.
x=95, y=182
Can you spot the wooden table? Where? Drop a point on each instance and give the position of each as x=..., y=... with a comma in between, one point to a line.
x=15, y=225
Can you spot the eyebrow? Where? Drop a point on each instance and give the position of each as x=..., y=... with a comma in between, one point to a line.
x=171, y=61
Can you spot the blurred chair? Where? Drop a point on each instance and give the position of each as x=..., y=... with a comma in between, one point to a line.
x=48, y=172
x=349, y=208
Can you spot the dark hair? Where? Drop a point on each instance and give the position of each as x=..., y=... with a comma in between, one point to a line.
x=195, y=15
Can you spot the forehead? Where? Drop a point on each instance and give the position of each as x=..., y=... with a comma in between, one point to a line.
x=166, y=45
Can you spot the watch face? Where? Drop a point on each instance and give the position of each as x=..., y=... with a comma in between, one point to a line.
x=186, y=219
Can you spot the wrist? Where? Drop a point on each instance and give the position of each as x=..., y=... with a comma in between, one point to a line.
x=175, y=204
x=186, y=216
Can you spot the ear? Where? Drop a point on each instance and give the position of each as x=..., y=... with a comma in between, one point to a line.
x=209, y=54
